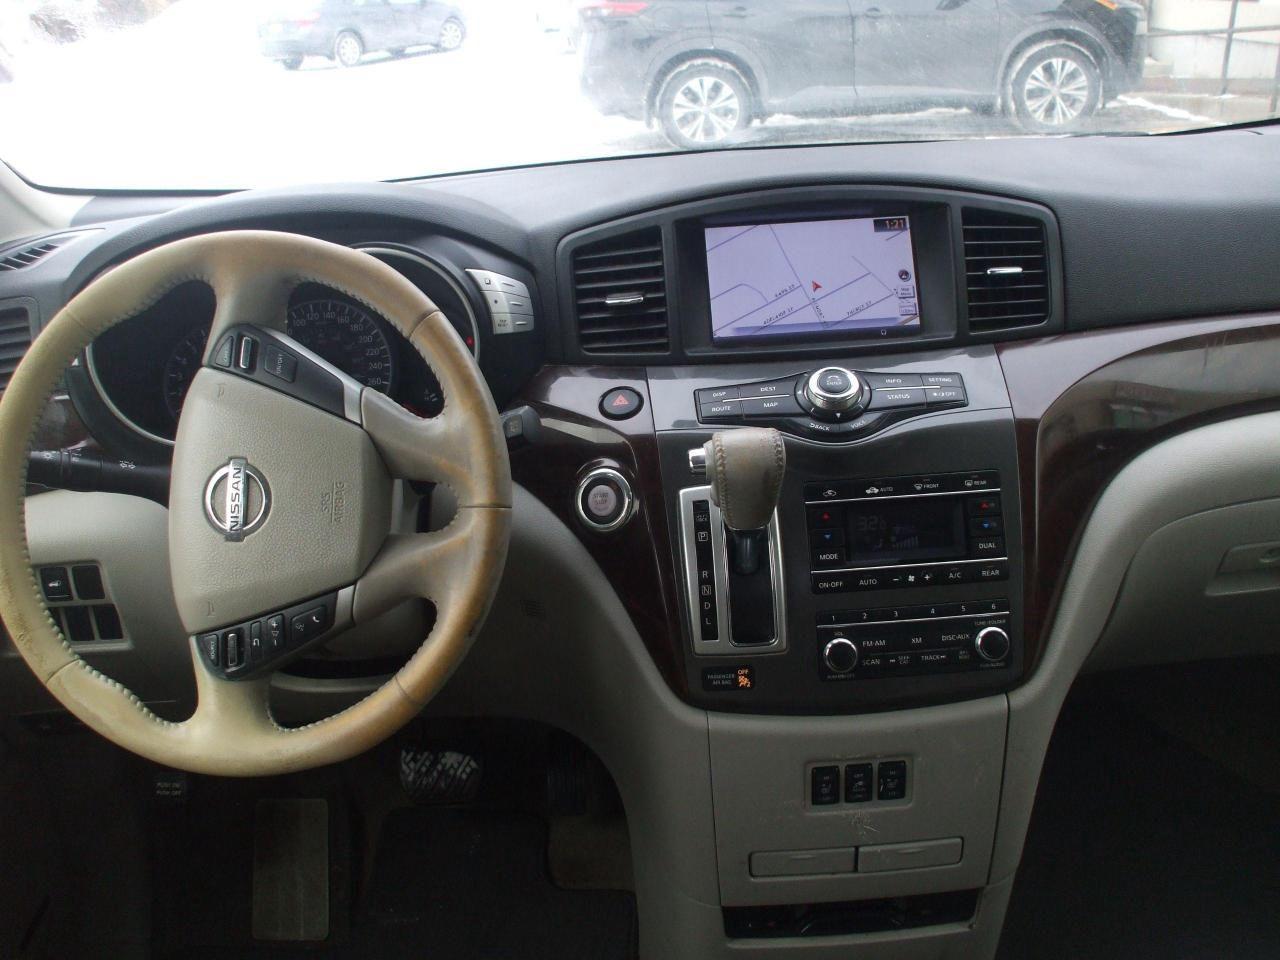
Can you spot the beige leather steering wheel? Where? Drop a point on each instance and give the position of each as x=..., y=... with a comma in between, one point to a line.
x=280, y=504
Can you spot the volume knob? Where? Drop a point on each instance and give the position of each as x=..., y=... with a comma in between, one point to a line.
x=840, y=655
x=835, y=390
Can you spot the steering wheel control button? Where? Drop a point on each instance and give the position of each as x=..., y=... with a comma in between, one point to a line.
x=306, y=626
x=620, y=403
x=605, y=500
x=225, y=355
x=233, y=643
x=256, y=648
x=274, y=633
x=55, y=584
x=210, y=649
x=279, y=364
x=248, y=352
x=824, y=786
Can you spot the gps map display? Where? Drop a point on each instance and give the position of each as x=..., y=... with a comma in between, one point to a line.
x=812, y=277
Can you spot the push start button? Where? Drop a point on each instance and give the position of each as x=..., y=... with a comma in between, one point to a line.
x=604, y=500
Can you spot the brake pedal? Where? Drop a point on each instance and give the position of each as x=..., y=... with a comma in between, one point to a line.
x=439, y=776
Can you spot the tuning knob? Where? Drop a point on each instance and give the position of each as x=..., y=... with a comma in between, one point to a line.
x=991, y=644
x=835, y=390
x=840, y=655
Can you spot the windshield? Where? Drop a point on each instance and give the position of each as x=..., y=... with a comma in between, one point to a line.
x=219, y=94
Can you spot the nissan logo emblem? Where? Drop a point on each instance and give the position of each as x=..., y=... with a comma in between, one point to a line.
x=236, y=499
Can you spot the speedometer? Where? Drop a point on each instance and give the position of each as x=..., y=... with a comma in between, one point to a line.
x=346, y=336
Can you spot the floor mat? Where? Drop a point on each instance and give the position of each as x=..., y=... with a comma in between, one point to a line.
x=1141, y=847
x=463, y=885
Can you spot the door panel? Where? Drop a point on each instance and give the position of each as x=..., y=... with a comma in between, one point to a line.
x=806, y=47
x=926, y=48
x=376, y=22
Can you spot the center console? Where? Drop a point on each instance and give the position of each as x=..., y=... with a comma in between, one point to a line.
x=894, y=547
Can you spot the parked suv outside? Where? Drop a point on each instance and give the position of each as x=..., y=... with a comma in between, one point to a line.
x=705, y=69
x=345, y=30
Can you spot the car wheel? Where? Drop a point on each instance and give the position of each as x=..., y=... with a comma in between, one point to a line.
x=293, y=63
x=452, y=34
x=704, y=104
x=348, y=49
x=1055, y=89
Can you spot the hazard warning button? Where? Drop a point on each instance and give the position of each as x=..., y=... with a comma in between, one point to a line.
x=621, y=403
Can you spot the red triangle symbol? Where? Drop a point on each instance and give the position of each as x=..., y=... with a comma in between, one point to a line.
x=621, y=400
x=816, y=286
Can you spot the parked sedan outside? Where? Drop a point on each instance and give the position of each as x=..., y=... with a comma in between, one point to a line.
x=703, y=70
x=345, y=30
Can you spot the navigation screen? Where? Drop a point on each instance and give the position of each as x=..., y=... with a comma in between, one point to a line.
x=812, y=277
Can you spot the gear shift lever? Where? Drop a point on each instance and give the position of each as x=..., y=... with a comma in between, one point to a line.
x=745, y=467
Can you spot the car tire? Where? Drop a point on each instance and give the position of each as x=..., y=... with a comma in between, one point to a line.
x=704, y=104
x=348, y=48
x=452, y=33
x=1054, y=88
x=293, y=63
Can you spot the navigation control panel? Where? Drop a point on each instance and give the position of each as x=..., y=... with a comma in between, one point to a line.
x=832, y=403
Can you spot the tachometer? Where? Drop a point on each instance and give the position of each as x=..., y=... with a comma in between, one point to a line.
x=348, y=337
x=180, y=369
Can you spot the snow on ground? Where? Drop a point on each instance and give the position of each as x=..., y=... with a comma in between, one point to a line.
x=187, y=101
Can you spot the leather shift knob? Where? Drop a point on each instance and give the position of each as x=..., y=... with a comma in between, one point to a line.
x=745, y=467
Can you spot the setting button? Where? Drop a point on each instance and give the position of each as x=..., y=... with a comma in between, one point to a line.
x=942, y=380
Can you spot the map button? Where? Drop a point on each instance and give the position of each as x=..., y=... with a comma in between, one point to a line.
x=906, y=397
x=783, y=406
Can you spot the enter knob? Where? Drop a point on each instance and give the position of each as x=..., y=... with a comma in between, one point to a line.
x=835, y=390
x=840, y=655
x=992, y=644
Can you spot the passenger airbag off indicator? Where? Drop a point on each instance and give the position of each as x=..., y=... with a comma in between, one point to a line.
x=621, y=403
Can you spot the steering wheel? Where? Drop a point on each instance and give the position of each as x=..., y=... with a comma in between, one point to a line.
x=280, y=505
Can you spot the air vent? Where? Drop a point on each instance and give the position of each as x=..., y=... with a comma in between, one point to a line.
x=619, y=286
x=1006, y=271
x=24, y=256
x=15, y=338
